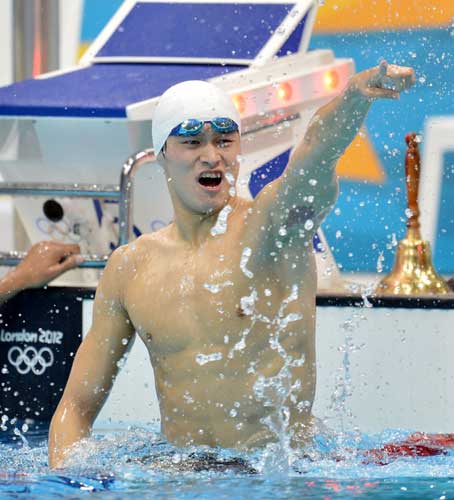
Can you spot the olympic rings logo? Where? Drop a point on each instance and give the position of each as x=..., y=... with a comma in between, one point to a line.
x=30, y=359
x=62, y=230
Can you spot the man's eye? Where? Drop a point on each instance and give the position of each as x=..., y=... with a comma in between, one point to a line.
x=224, y=143
x=191, y=142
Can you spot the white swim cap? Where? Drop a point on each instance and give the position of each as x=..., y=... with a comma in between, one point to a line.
x=185, y=100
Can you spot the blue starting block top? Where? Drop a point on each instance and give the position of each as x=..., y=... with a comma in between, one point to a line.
x=196, y=30
x=150, y=45
x=99, y=91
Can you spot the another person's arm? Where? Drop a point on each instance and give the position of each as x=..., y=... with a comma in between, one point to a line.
x=308, y=188
x=96, y=363
x=44, y=262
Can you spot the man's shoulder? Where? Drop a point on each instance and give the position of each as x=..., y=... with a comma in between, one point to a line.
x=136, y=250
x=125, y=257
x=126, y=260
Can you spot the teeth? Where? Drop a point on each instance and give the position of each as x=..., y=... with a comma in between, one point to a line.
x=211, y=175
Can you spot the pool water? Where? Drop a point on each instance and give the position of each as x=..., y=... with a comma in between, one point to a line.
x=137, y=463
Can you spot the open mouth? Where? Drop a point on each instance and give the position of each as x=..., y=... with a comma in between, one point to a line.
x=210, y=179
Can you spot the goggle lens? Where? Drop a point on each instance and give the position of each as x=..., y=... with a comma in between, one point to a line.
x=193, y=126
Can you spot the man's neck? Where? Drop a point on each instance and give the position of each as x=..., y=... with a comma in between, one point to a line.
x=195, y=229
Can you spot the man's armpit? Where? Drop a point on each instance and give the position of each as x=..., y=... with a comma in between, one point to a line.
x=299, y=215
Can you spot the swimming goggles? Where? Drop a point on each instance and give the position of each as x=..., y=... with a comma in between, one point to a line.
x=193, y=126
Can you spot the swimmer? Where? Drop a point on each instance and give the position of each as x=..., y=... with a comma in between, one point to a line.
x=210, y=293
x=44, y=262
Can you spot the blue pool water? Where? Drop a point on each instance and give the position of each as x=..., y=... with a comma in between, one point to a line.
x=137, y=463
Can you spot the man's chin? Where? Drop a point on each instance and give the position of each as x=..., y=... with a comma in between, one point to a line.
x=207, y=205
x=215, y=205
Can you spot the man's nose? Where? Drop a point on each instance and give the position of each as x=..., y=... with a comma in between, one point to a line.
x=210, y=155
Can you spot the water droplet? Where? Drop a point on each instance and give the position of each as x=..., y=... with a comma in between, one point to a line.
x=230, y=178
x=312, y=182
x=380, y=261
x=217, y=287
x=203, y=359
x=246, y=254
x=221, y=224
x=247, y=303
x=308, y=225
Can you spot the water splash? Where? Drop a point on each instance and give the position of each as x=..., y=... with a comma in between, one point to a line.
x=231, y=180
x=245, y=256
x=203, y=359
x=18, y=433
x=280, y=390
x=135, y=461
x=380, y=260
x=217, y=287
x=221, y=223
x=247, y=303
x=347, y=439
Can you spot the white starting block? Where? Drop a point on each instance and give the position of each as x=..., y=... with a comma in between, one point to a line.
x=79, y=126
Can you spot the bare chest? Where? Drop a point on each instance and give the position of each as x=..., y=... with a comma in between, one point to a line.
x=213, y=299
x=185, y=301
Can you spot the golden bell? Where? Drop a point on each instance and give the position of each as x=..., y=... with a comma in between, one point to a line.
x=413, y=272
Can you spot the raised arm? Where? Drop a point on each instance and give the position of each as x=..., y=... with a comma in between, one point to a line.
x=302, y=197
x=96, y=363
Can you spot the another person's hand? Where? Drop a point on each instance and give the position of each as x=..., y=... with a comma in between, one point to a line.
x=44, y=262
x=384, y=81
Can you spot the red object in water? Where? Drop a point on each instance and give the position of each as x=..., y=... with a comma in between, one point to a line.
x=416, y=445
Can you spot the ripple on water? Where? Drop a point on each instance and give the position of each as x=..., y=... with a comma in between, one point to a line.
x=137, y=463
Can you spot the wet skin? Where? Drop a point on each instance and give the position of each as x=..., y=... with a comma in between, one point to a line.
x=212, y=401
x=192, y=308
x=162, y=287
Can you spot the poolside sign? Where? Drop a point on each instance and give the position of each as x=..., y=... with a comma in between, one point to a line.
x=40, y=331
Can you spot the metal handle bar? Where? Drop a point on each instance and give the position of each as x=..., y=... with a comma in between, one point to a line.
x=15, y=257
x=123, y=193
x=69, y=190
